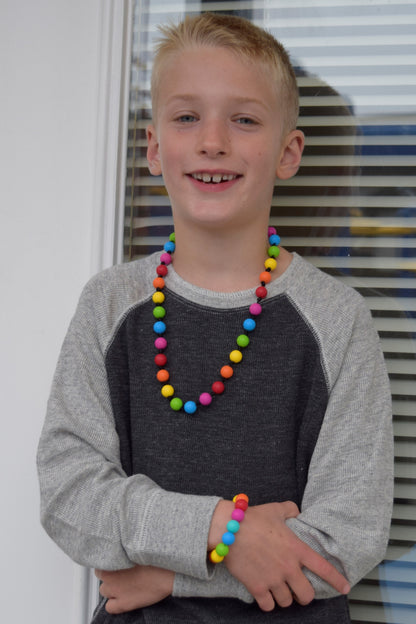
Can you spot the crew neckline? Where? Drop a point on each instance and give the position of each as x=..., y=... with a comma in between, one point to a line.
x=176, y=284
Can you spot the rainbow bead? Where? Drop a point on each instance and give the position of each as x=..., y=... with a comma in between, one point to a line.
x=233, y=526
x=215, y=557
x=170, y=246
x=161, y=343
x=236, y=356
x=190, y=407
x=249, y=324
x=228, y=538
x=270, y=264
x=274, y=239
x=222, y=549
x=159, y=312
x=255, y=309
x=205, y=398
x=158, y=297
x=159, y=327
x=238, y=514
x=176, y=404
x=243, y=340
x=167, y=391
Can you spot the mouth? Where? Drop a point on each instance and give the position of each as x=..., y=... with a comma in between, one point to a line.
x=214, y=178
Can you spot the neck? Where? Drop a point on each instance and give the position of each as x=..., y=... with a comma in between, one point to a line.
x=221, y=261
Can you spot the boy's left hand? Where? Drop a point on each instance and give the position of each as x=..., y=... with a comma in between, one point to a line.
x=134, y=588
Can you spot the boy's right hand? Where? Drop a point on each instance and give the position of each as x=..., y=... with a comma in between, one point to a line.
x=268, y=558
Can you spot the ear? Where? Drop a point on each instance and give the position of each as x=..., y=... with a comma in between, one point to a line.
x=291, y=154
x=153, y=156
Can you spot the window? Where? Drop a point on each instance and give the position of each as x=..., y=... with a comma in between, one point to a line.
x=351, y=210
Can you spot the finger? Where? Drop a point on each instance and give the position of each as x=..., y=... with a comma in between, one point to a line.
x=302, y=590
x=326, y=571
x=112, y=607
x=103, y=590
x=283, y=595
x=265, y=601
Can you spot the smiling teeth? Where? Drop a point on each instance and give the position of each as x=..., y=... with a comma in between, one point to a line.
x=216, y=178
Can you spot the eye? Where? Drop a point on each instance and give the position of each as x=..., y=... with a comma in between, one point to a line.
x=246, y=121
x=187, y=118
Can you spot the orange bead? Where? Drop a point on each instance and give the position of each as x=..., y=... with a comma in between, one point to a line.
x=159, y=282
x=227, y=372
x=240, y=496
x=265, y=277
x=162, y=375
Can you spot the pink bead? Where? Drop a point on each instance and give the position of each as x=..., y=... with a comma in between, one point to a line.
x=237, y=514
x=166, y=258
x=255, y=309
x=205, y=398
x=271, y=230
x=161, y=343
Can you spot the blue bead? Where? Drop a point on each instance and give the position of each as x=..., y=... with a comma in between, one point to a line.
x=169, y=247
x=159, y=327
x=249, y=324
x=274, y=239
x=228, y=538
x=190, y=407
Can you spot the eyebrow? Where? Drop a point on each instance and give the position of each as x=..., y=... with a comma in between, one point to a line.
x=190, y=98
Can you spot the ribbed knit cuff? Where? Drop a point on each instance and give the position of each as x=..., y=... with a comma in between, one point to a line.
x=174, y=532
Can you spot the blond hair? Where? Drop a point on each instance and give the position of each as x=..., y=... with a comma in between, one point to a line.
x=238, y=35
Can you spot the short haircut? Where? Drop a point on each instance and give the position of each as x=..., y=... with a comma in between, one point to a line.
x=239, y=36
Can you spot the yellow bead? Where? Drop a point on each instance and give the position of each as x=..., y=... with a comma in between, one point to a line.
x=158, y=297
x=270, y=263
x=215, y=557
x=236, y=356
x=167, y=390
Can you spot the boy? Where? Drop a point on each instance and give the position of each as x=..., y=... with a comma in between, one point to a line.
x=152, y=427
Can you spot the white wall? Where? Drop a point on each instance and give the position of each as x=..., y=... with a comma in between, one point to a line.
x=49, y=53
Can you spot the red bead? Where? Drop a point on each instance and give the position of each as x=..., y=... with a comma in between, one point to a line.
x=160, y=359
x=261, y=292
x=162, y=270
x=218, y=387
x=241, y=504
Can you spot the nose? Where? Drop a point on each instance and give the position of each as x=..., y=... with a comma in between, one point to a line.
x=213, y=139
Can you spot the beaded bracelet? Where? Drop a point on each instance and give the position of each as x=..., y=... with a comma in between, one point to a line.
x=221, y=550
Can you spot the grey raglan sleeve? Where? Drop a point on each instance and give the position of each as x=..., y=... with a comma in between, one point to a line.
x=96, y=514
x=347, y=504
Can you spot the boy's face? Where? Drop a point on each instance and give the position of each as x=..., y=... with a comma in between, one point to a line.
x=218, y=138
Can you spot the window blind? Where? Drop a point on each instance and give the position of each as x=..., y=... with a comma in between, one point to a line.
x=351, y=209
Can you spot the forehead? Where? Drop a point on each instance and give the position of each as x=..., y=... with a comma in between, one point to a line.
x=208, y=71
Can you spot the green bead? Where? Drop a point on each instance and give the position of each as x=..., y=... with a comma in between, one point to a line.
x=273, y=251
x=176, y=404
x=159, y=312
x=243, y=340
x=172, y=237
x=222, y=550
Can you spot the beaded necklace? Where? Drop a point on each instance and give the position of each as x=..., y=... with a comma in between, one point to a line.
x=243, y=340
